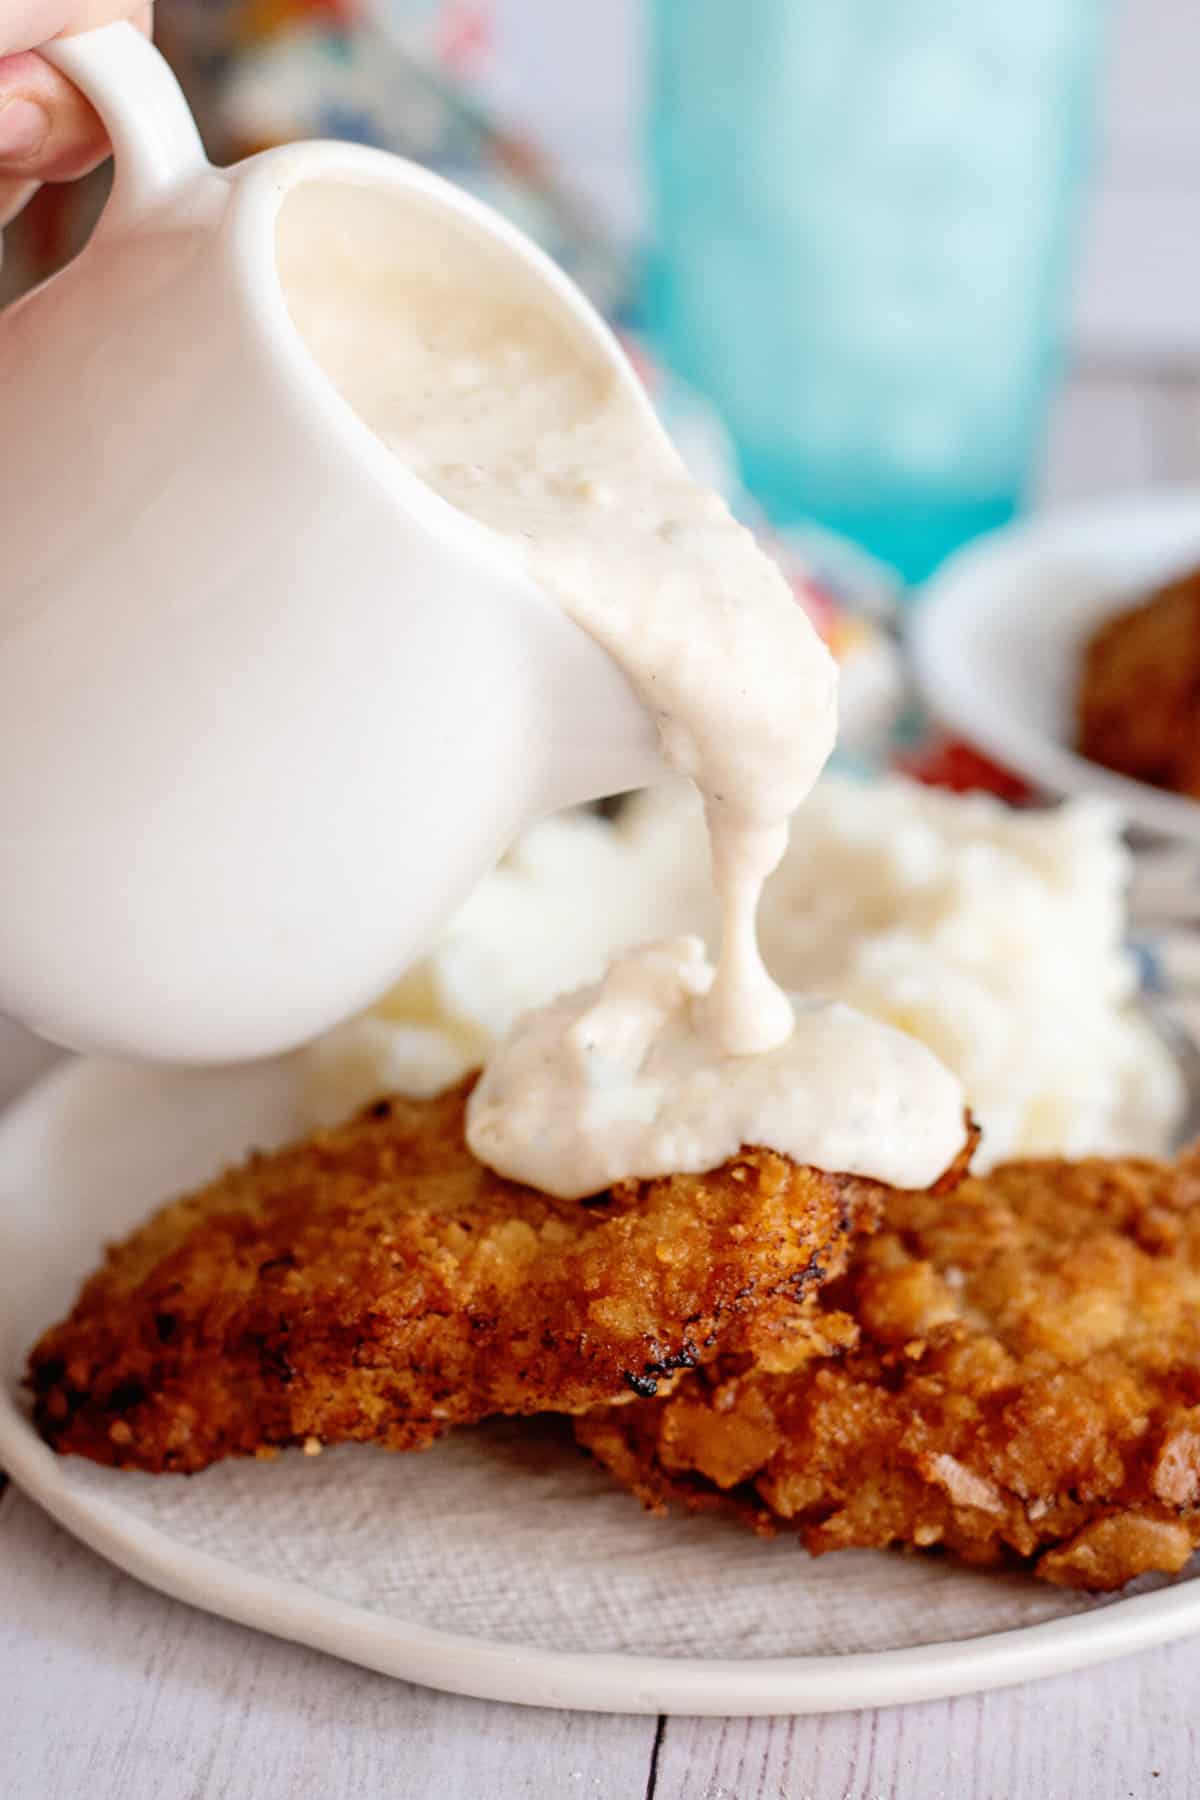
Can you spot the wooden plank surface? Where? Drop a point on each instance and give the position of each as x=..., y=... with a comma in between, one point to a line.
x=1125, y=1732
x=111, y=1692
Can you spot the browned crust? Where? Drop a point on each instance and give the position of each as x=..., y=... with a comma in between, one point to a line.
x=1011, y=1373
x=375, y=1282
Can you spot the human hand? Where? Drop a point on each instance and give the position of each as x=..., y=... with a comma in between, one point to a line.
x=48, y=131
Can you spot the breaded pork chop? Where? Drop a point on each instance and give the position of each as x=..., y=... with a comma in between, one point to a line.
x=375, y=1282
x=1020, y=1381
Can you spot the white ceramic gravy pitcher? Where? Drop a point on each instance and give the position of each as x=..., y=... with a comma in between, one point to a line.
x=268, y=706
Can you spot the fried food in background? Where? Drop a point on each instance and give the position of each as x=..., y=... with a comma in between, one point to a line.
x=1138, y=706
x=1020, y=1381
x=376, y=1283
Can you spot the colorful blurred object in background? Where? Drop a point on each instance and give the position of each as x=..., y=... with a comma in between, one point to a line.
x=408, y=76
x=863, y=217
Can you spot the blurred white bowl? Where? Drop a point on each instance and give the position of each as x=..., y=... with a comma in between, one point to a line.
x=998, y=635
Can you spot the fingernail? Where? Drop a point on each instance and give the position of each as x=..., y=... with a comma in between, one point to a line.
x=24, y=128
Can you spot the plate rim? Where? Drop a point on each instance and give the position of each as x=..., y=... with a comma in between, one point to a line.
x=1040, y=757
x=603, y=1681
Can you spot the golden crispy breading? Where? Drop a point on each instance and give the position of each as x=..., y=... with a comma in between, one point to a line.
x=1021, y=1382
x=375, y=1282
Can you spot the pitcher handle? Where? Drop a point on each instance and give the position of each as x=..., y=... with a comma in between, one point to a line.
x=156, y=146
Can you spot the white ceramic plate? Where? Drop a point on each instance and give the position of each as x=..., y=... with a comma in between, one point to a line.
x=502, y=1564
x=999, y=632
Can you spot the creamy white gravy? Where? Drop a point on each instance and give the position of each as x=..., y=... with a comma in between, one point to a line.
x=617, y=1078
x=503, y=413
x=496, y=405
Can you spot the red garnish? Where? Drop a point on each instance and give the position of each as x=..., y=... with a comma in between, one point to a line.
x=951, y=763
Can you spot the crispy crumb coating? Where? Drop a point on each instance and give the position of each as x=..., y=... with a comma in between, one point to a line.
x=375, y=1282
x=1138, y=705
x=1018, y=1379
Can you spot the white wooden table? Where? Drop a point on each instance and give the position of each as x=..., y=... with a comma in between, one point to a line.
x=110, y=1692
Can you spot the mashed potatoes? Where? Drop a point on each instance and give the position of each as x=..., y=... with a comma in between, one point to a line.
x=993, y=936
